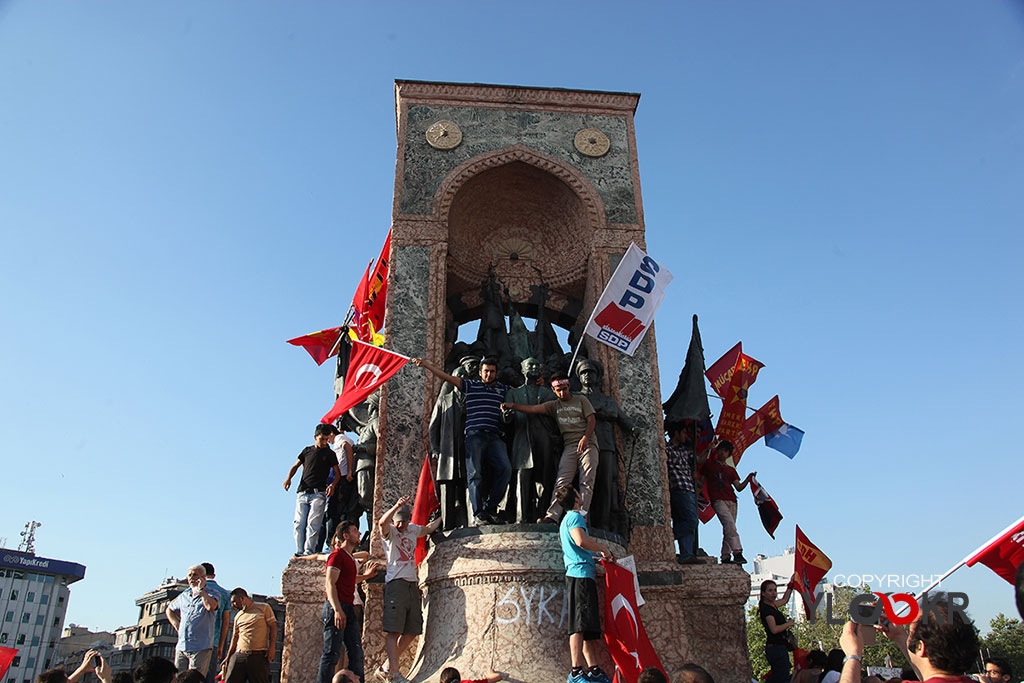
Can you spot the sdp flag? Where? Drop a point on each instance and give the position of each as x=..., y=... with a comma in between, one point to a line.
x=425, y=504
x=809, y=566
x=629, y=301
x=624, y=633
x=1004, y=553
x=320, y=345
x=766, y=507
x=368, y=368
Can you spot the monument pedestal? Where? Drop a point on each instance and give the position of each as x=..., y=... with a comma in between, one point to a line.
x=495, y=598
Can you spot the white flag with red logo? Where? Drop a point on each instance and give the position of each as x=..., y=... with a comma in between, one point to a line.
x=1004, y=553
x=629, y=301
x=624, y=633
x=368, y=368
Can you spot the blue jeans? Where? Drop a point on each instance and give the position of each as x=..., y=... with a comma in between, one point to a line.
x=333, y=639
x=778, y=659
x=309, y=513
x=684, y=521
x=486, y=449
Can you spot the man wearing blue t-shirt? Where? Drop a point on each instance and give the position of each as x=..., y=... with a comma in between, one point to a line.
x=484, y=445
x=584, y=617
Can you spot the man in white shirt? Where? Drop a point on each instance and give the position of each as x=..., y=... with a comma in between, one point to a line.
x=403, y=615
x=341, y=505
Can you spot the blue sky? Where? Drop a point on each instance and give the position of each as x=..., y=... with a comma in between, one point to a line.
x=183, y=186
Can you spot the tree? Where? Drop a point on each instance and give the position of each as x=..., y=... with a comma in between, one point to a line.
x=1006, y=640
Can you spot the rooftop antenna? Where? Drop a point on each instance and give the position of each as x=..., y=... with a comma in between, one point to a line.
x=28, y=537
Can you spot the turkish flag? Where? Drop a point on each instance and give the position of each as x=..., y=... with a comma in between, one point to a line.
x=6, y=657
x=624, y=633
x=368, y=368
x=1003, y=554
x=705, y=512
x=320, y=345
x=426, y=503
x=809, y=566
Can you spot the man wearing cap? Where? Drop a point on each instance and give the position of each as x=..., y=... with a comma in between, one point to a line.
x=576, y=422
x=316, y=461
x=484, y=445
x=403, y=616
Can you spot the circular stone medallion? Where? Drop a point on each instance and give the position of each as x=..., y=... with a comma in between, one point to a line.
x=592, y=142
x=444, y=135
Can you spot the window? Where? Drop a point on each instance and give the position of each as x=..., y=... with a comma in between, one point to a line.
x=10, y=616
x=24, y=617
x=16, y=661
x=49, y=579
x=39, y=620
x=31, y=662
x=35, y=641
x=21, y=639
x=44, y=599
x=31, y=597
x=60, y=600
x=56, y=621
x=18, y=575
x=14, y=595
x=3, y=637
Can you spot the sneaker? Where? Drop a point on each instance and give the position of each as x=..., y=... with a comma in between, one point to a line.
x=576, y=676
x=382, y=674
x=737, y=558
x=596, y=675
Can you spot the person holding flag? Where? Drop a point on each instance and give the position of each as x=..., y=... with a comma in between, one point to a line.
x=721, y=479
x=484, y=445
x=776, y=628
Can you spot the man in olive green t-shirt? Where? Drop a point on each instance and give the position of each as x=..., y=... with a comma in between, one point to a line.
x=576, y=421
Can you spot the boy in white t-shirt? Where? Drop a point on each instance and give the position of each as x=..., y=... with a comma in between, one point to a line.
x=403, y=615
x=341, y=505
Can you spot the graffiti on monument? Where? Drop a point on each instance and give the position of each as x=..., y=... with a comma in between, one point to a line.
x=532, y=606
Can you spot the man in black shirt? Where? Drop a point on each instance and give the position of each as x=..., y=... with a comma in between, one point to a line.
x=316, y=461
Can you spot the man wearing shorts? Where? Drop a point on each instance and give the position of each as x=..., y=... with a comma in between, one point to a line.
x=403, y=615
x=578, y=550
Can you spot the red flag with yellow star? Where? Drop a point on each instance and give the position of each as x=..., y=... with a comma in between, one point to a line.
x=733, y=417
x=320, y=345
x=766, y=420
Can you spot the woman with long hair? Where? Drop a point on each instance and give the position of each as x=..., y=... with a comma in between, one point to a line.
x=775, y=627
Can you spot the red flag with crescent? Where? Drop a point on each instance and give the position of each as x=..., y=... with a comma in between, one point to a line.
x=624, y=633
x=1003, y=554
x=368, y=368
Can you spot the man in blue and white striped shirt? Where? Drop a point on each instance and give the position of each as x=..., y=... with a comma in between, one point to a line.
x=484, y=445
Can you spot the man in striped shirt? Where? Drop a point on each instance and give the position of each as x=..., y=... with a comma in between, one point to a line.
x=484, y=445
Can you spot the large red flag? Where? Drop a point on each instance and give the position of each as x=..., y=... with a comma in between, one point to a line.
x=732, y=419
x=368, y=368
x=1004, y=554
x=377, y=287
x=360, y=320
x=721, y=372
x=426, y=503
x=320, y=345
x=6, y=657
x=624, y=633
x=809, y=566
x=766, y=507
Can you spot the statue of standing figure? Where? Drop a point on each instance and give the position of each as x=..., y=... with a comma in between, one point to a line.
x=536, y=445
x=606, y=511
x=448, y=446
x=365, y=453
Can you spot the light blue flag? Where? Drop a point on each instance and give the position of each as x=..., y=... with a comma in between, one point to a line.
x=786, y=440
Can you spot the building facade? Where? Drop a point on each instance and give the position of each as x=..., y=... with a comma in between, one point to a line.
x=779, y=568
x=34, y=598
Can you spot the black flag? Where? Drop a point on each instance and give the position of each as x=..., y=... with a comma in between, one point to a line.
x=690, y=399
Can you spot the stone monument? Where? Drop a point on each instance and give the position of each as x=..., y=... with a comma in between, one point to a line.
x=539, y=188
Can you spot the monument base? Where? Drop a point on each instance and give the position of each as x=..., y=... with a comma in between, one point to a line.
x=494, y=597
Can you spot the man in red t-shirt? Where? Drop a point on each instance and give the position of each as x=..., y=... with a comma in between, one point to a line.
x=940, y=643
x=721, y=480
x=452, y=675
x=338, y=615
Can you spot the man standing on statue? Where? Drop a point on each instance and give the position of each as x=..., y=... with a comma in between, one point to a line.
x=576, y=421
x=484, y=445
